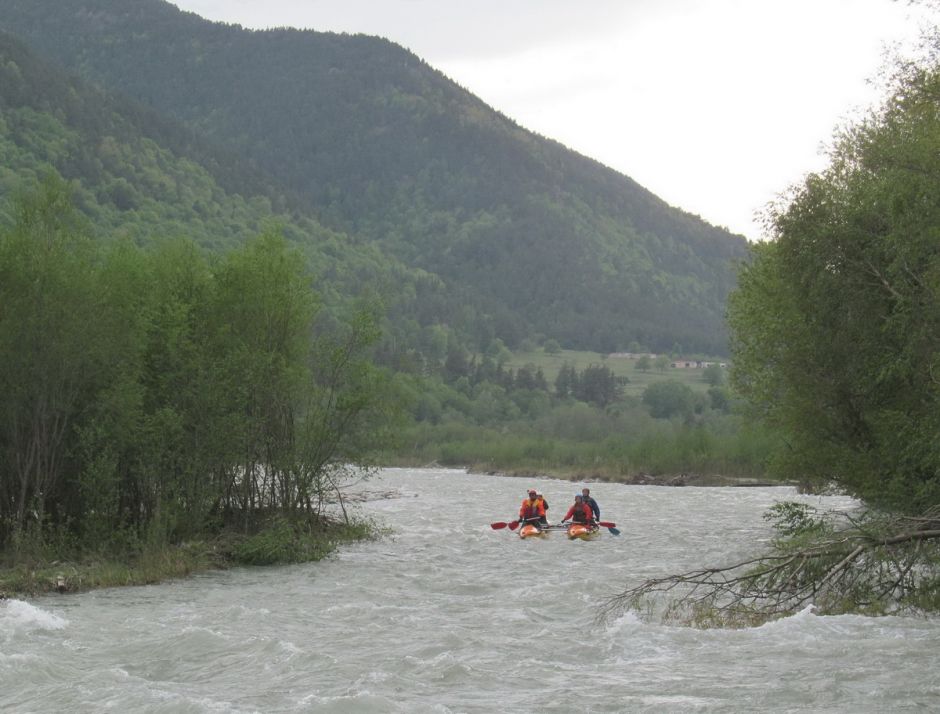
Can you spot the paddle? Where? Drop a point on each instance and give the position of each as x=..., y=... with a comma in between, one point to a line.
x=609, y=526
x=499, y=524
x=502, y=524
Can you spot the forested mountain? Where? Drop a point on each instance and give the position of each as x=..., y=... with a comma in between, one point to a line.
x=527, y=236
x=138, y=175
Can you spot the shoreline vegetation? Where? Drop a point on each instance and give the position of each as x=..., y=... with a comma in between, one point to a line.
x=604, y=474
x=164, y=411
x=279, y=544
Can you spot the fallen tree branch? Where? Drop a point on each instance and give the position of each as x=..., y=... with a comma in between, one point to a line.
x=875, y=564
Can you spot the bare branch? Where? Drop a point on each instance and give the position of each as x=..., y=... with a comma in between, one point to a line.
x=875, y=564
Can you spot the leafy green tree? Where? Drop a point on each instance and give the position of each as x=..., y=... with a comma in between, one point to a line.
x=719, y=399
x=53, y=348
x=643, y=363
x=837, y=320
x=498, y=352
x=713, y=374
x=566, y=381
x=457, y=363
x=528, y=376
x=346, y=412
x=668, y=399
x=598, y=385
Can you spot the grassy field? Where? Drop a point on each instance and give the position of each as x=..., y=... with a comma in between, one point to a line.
x=620, y=366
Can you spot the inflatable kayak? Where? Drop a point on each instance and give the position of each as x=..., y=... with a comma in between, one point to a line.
x=579, y=530
x=529, y=530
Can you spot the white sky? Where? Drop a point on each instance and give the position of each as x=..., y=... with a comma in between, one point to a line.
x=716, y=106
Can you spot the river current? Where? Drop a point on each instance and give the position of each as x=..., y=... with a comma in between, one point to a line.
x=444, y=614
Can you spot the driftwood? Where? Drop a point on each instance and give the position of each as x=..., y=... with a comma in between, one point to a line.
x=874, y=564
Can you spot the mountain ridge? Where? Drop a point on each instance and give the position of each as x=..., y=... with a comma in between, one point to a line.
x=536, y=238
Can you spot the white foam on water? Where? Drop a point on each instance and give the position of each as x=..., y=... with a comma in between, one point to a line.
x=20, y=616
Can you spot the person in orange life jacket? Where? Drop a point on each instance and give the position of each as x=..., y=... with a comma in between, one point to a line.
x=589, y=500
x=544, y=520
x=580, y=512
x=532, y=509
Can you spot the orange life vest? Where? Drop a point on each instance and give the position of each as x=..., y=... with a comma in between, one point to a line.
x=531, y=508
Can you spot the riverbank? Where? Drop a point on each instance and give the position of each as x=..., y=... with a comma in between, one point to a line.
x=51, y=572
x=643, y=479
x=604, y=475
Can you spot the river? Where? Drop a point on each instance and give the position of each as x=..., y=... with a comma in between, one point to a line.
x=444, y=614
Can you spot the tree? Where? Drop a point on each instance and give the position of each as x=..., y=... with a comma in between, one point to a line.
x=345, y=413
x=498, y=352
x=644, y=363
x=566, y=381
x=528, y=376
x=836, y=344
x=836, y=322
x=457, y=363
x=719, y=399
x=53, y=348
x=668, y=399
x=713, y=374
x=598, y=385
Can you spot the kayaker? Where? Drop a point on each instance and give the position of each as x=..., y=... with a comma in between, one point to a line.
x=532, y=509
x=589, y=500
x=579, y=512
x=544, y=520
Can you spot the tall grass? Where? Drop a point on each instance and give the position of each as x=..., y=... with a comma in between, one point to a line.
x=614, y=446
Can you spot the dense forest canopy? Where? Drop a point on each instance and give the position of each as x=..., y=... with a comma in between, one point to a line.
x=528, y=239
x=136, y=174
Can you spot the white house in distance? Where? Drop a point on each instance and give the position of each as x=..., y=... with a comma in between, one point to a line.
x=681, y=363
x=694, y=364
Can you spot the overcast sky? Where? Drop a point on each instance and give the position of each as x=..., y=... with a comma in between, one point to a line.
x=716, y=106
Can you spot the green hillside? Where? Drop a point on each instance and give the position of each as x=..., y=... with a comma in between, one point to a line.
x=139, y=176
x=529, y=238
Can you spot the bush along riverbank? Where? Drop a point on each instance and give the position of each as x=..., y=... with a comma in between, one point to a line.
x=30, y=569
x=723, y=452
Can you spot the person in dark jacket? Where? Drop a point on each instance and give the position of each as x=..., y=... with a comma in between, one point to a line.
x=589, y=500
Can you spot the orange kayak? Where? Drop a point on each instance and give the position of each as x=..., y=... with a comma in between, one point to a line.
x=531, y=531
x=579, y=530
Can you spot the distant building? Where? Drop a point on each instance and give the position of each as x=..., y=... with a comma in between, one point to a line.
x=684, y=364
x=695, y=364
